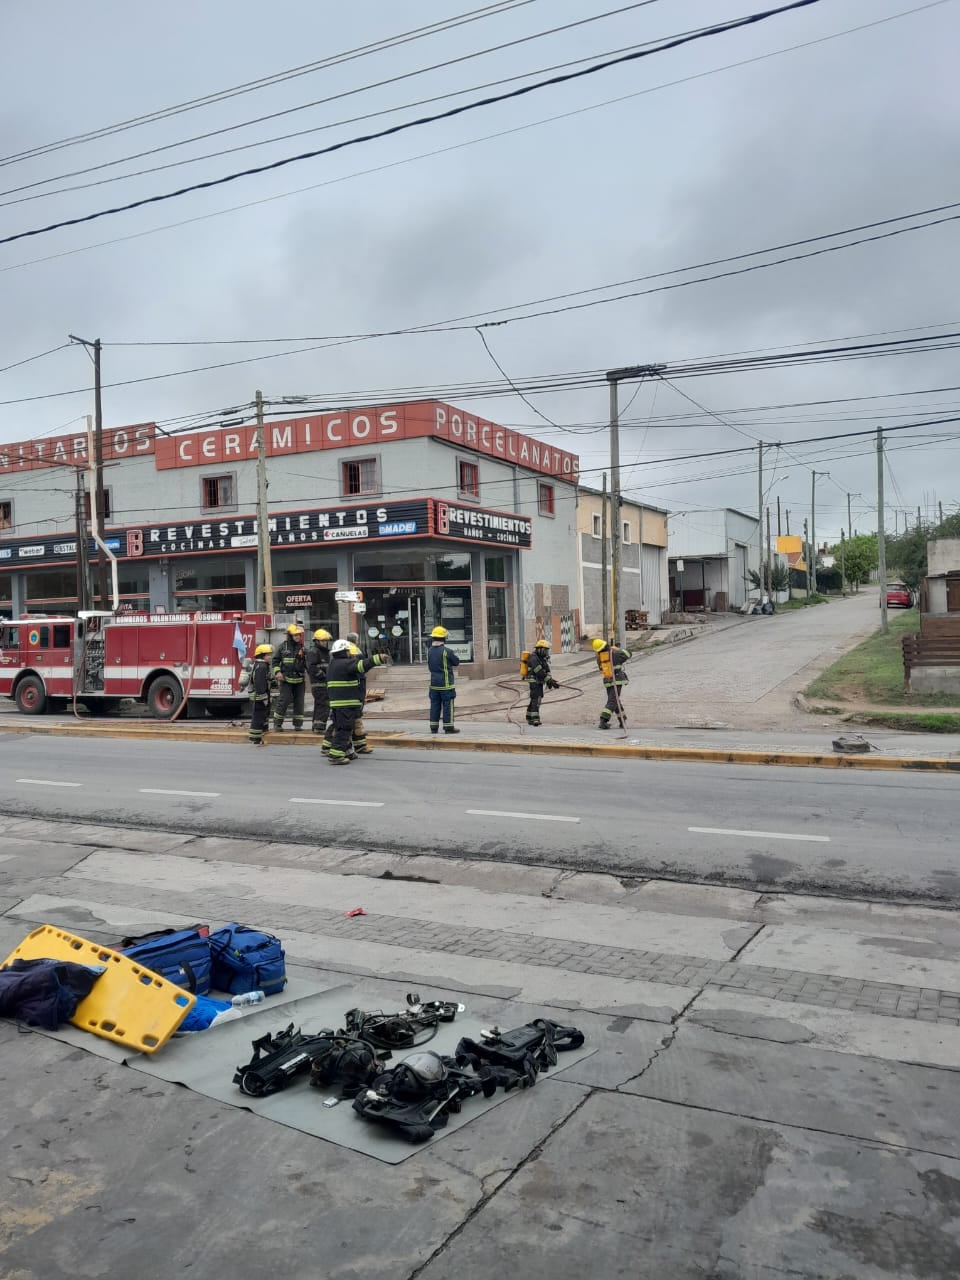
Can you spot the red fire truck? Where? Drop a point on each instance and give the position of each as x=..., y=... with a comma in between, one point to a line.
x=98, y=660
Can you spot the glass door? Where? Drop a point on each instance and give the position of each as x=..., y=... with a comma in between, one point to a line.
x=394, y=624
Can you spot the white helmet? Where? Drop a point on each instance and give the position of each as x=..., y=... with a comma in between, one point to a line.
x=340, y=646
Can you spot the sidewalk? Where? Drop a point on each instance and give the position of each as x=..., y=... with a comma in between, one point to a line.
x=773, y=1089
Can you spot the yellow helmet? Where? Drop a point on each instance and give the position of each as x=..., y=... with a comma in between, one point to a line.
x=263, y=650
x=542, y=644
x=438, y=633
x=322, y=635
x=355, y=649
x=598, y=644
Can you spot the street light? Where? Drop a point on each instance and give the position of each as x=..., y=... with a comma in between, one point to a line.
x=615, y=377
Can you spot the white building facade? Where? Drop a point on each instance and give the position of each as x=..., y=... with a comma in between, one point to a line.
x=711, y=554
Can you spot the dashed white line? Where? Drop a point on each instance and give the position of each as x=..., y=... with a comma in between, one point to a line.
x=162, y=791
x=764, y=835
x=506, y=813
x=355, y=804
x=47, y=782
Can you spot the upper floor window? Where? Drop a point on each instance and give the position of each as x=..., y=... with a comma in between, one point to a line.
x=626, y=531
x=545, y=499
x=6, y=515
x=597, y=531
x=88, y=505
x=218, y=491
x=360, y=476
x=468, y=479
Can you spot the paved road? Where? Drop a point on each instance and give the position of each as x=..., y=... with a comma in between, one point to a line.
x=870, y=833
x=747, y=675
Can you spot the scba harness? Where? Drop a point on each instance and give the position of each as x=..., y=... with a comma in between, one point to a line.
x=330, y=1057
x=525, y=1050
x=418, y=1095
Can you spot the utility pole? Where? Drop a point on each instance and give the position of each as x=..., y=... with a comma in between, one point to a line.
x=813, y=524
x=98, y=496
x=769, y=562
x=83, y=582
x=615, y=377
x=940, y=509
x=806, y=554
x=919, y=522
x=843, y=564
x=788, y=522
x=616, y=550
x=605, y=583
x=779, y=530
x=849, y=519
x=264, y=562
x=881, y=535
x=760, y=511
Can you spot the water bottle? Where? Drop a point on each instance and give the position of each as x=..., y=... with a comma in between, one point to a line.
x=248, y=997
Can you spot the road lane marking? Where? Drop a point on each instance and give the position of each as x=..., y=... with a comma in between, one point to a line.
x=766, y=835
x=47, y=782
x=355, y=804
x=162, y=791
x=505, y=813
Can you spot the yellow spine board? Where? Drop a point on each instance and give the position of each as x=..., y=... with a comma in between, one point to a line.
x=128, y=1004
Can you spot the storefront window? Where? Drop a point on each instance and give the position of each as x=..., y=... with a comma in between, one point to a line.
x=6, y=596
x=498, y=637
x=410, y=566
x=214, y=585
x=495, y=569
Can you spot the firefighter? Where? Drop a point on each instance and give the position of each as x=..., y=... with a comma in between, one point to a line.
x=317, y=658
x=261, y=684
x=289, y=667
x=441, y=662
x=359, y=740
x=537, y=675
x=344, y=674
x=610, y=660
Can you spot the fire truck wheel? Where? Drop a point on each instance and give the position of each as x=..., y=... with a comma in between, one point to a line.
x=164, y=697
x=31, y=697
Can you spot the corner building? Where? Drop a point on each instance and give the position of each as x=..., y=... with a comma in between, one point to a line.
x=433, y=514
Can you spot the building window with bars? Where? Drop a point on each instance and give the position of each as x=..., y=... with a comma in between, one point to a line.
x=545, y=499
x=218, y=492
x=360, y=476
x=468, y=479
x=6, y=515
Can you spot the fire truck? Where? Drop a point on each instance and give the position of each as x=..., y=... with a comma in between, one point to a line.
x=175, y=664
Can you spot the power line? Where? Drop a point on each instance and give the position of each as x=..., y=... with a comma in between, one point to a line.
x=377, y=46
x=319, y=102
x=470, y=142
x=39, y=356
x=463, y=108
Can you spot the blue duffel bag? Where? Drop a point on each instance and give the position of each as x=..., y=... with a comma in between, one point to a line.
x=181, y=956
x=246, y=959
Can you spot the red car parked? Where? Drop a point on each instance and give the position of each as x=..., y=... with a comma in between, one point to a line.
x=899, y=596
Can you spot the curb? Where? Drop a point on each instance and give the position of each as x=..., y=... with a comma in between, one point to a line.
x=154, y=730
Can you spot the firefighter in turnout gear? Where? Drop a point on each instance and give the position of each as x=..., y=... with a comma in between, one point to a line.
x=535, y=669
x=289, y=667
x=344, y=674
x=610, y=660
x=441, y=662
x=260, y=684
x=318, y=656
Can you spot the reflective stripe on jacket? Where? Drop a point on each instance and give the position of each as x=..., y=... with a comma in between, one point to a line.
x=441, y=662
x=538, y=667
x=345, y=678
x=610, y=661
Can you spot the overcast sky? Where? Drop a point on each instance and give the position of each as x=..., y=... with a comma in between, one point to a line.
x=844, y=132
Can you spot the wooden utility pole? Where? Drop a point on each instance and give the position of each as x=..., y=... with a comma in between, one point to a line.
x=264, y=561
x=806, y=554
x=788, y=521
x=83, y=579
x=769, y=562
x=97, y=498
x=843, y=564
x=881, y=535
x=779, y=530
x=605, y=629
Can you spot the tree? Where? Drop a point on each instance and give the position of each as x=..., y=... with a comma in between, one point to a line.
x=780, y=579
x=860, y=557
